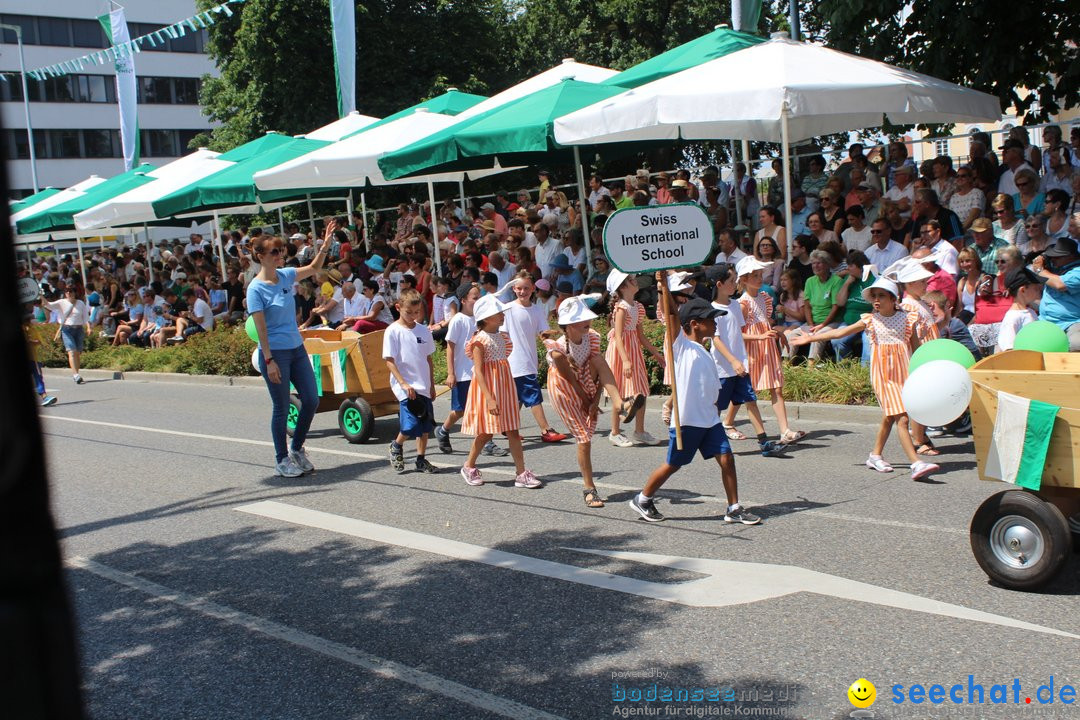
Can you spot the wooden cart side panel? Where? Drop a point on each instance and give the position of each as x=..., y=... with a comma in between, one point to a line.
x=1062, y=362
x=1063, y=456
x=1012, y=360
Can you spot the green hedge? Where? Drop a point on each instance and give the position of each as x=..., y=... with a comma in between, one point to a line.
x=227, y=351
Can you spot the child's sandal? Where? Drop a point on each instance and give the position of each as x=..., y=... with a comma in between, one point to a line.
x=592, y=498
x=733, y=433
x=927, y=449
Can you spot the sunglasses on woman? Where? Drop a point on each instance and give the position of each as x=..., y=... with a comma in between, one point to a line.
x=272, y=251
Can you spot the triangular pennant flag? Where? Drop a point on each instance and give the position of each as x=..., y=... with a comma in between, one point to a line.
x=225, y=9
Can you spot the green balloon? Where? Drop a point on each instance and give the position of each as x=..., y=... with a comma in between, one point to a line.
x=941, y=349
x=1042, y=336
x=249, y=328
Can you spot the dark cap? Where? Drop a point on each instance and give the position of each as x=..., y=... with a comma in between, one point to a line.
x=717, y=271
x=698, y=309
x=565, y=287
x=463, y=290
x=1065, y=247
x=797, y=193
x=1018, y=277
x=865, y=186
x=1011, y=143
x=420, y=407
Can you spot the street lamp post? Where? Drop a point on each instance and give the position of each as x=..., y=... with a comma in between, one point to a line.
x=26, y=100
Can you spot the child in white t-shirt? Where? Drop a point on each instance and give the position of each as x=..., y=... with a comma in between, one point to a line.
x=407, y=349
x=1025, y=288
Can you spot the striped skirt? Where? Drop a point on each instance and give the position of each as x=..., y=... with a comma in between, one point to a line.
x=638, y=382
x=477, y=420
x=888, y=371
x=763, y=359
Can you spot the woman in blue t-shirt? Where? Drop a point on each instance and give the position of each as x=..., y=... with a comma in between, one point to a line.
x=271, y=302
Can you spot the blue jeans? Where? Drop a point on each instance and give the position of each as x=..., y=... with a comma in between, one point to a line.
x=845, y=347
x=39, y=379
x=296, y=369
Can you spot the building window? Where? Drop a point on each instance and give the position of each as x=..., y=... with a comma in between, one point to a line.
x=54, y=31
x=87, y=33
x=941, y=148
x=101, y=143
x=72, y=144
x=186, y=91
x=102, y=89
x=78, y=32
x=29, y=29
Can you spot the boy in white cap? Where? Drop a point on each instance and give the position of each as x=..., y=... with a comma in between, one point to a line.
x=698, y=387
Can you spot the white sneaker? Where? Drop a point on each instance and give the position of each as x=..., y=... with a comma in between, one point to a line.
x=644, y=438
x=876, y=462
x=287, y=468
x=300, y=460
x=921, y=469
x=77, y=378
x=620, y=440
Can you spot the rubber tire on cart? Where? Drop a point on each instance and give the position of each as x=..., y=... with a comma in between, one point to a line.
x=356, y=420
x=1019, y=540
x=291, y=415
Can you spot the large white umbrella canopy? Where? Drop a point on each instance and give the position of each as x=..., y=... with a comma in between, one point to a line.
x=553, y=76
x=135, y=206
x=749, y=94
x=59, y=198
x=353, y=162
x=338, y=129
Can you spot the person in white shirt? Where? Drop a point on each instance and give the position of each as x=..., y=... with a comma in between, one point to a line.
x=74, y=326
x=459, y=366
x=729, y=248
x=503, y=270
x=857, y=235
x=407, y=349
x=198, y=318
x=884, y=251
x=523, y=322
x=902, y=193
x=697, y=388
x=597, y=190
x=195, y=244
x=1012, y=158
x=353, y=305
x=1025, y=288
x=548, y=245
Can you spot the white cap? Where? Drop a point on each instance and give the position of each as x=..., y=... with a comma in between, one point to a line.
x=676, y=282
x=913, y=271
x=615, y=278
x=749, y=264
x=487, y=306
x=575, y=309
x=885, y=284
x=298, y=236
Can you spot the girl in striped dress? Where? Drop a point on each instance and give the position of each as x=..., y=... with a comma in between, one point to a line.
x=913, y=276
x=576, y=372
x=492, y=404
x=891, y=332
x=762, y=345
x=624, y=356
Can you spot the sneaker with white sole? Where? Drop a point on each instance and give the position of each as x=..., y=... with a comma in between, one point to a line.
x=935, y=432
x=647, y=510
x=876, y=462
x=77, y=378
x=397, y=459
x=300, y=459
x=921, y=469
x=48, y=400
x=287, y=468
x=738, y=514
x=528, y=480
x=644, y=438
x=620, y=440
x=443, y=436
x=472, y=475
x=494, y=450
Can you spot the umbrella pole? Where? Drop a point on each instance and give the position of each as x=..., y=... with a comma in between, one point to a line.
x=738, y=195
x=461, y=192
x=311, y=217
x=363, y=216
x=281, y=222
x=786, y=158
x=220, y=245
x=149, y=245
x=82, y=265
x=434, y=227
x=349, y=207
x=587, y=239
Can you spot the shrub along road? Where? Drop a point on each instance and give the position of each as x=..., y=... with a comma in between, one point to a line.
x=206, y=587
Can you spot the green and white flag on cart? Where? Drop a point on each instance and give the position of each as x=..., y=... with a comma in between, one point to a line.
x=343, y=20
x=1021, y=438
x=116, y=30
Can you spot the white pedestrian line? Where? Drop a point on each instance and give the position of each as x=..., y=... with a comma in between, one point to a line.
x=389, y=669
x=496, y=471
x=726, y=583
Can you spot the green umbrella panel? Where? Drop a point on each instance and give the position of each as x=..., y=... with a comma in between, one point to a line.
x=721, y=41
x=31, y=200
x=451, y=102
x=60, y=217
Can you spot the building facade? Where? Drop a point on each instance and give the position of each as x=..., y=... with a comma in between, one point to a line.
x=75, y=118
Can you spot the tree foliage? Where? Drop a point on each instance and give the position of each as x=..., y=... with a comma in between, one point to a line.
x=998, y=46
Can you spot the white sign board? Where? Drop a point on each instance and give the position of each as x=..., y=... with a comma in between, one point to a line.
x=28, y=290
x=658, y=237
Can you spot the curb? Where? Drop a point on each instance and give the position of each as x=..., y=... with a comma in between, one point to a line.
x=811, y=412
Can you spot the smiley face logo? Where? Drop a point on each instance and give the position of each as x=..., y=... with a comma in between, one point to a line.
x=862, y=693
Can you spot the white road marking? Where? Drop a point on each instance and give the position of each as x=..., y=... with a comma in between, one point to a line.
x=382, y=667
x=496, y=471
x=726, y=582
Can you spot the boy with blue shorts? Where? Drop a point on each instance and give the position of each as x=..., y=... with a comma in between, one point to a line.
x=698, y=387
x=407, y=349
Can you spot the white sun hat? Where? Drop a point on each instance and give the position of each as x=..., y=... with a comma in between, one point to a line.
x=487, y=306
x=676, y=282
x=615, y=278
x=885, y=284
x=575, y=309
x=913, y=271
x=749, y=264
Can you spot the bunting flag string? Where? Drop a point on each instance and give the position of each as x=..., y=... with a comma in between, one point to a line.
x=109, y=55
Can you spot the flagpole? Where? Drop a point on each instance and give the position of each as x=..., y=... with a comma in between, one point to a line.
x=434, y=226
x=738, y=193
x=311, y=217
x=220, y=245
x=363, y=216
x=786, y=158
x=587, y=239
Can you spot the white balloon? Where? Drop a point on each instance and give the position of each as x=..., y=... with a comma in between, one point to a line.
x=255, y=361
x=937, y=392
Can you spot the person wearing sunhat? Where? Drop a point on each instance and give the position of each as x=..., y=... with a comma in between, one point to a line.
x=698, y=388
x=330, y=310
x=561, y=272
x=492, y=404
x=576, y=372
x=890, y=330
x=625, y=357
x=680, y=191
x=1059, y=268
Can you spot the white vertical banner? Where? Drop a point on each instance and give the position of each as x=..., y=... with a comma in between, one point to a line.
x=343, y=20
x=116, y=31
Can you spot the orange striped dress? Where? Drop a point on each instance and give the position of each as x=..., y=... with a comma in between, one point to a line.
x=638, y=382
x=563, y=396
x=925, y=327
x=890, y=353
x=763, y=355
x=477, y=420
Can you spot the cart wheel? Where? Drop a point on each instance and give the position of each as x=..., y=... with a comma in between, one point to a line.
x=356, y=420
x=294, y=413
x=1019, y=540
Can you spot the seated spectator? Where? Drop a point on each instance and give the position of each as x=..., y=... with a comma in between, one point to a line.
x=378, y=316
x=1007, y=225
x=815, y=181
x=941, y=281
x=562, y=272
x=1059, y=268
x=1033, y=240
x=967, y=286
x=992, y=301
x=1060, y=169
x=857, y=235
x=801, y=247
x=1057, y=220
x=883, y=251
x=815, y=225
x=1028, y=200
x=967, y=201
x=198, y=318
x=943, y=181
x=850, y=298
x=986, y=245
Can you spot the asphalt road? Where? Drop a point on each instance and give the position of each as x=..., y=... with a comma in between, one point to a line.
x=205, y=587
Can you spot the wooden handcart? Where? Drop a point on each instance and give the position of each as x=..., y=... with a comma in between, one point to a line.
x=1022, y=538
